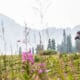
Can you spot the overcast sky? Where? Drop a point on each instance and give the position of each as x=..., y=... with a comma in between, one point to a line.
x=60, y=13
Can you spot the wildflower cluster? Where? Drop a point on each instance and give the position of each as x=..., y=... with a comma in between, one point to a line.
x=27, y=56
x=42, y=68
x=31, y=68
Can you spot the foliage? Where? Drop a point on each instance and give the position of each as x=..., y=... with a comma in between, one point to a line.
x=39, y=67
x=51, y=44
x=48, y=52
x=69, y=44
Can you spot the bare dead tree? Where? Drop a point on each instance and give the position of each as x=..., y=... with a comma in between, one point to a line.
x=40, y=38
x=47, y=32
x=26, y=34
x=3, y=36
x=42, y=10
x=11, y=49
x=34, y=38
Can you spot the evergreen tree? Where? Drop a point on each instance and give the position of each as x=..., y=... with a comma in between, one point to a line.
x=64, y=43
x=53, y=44
x=69, y=44
x=49, y=44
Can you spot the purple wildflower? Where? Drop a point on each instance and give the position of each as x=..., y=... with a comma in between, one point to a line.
x=28, y=56
x=40, y=71
x=24, y=56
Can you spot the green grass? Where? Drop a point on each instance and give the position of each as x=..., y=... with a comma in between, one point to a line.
x=65, y=67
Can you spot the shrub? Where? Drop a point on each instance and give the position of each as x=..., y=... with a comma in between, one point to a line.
x=48, y=52
x=75, y=56
x=36, y=59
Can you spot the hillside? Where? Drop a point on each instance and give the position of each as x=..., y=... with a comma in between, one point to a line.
x=14, y=32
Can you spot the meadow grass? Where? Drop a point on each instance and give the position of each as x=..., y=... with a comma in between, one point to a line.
x=58, y=67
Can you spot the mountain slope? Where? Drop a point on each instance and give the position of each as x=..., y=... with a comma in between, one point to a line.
x=14, y=32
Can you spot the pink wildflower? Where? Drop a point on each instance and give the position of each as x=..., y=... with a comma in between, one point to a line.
x=42, y=64
x=24, y=56
x=28, y=56
x=40, y=71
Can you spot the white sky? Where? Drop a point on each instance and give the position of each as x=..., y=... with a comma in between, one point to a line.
x=61, y=13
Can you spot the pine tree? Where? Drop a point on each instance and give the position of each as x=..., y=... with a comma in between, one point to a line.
x=69, y=44
x=64, y=45
x=53, y=44
x=49, y=44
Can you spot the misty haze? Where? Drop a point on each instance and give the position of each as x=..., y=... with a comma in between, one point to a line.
x=39, y=40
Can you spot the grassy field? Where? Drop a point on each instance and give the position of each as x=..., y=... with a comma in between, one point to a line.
x=51, y=67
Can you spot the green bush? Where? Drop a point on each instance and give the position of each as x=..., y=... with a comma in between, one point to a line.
x=37, y=59
x=48, y=52
x=75, y=56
